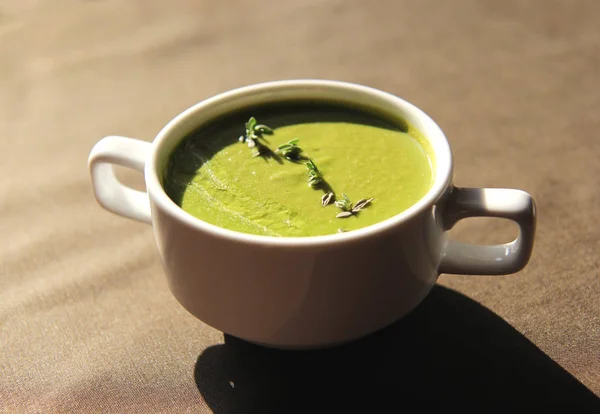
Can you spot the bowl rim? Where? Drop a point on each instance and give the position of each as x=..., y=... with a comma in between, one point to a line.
x=271, y=90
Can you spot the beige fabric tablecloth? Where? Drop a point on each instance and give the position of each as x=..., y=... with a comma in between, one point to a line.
x=87, y=323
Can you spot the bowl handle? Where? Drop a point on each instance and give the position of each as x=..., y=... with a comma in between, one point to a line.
x=110, y=193
x=499, y=259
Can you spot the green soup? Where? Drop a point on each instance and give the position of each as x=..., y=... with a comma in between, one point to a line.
x=215, y=177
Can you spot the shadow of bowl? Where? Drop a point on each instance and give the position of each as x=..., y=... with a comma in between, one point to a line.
x=449, y=353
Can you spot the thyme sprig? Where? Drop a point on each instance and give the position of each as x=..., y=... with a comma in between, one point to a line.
x=315, y=177
x=349, y=209
x=254, y=131
x=290, y=150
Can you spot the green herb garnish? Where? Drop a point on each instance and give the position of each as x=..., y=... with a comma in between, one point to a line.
x=290, y=150
x=327, y=198
x=253, y=133
x=315, y=177
x=263, y=129
x=360, y=204
x=348, y=209
x=345, y=204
